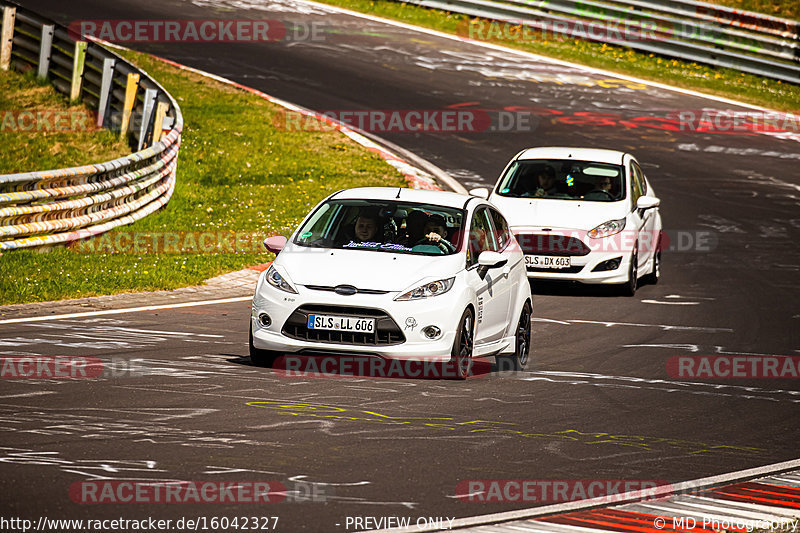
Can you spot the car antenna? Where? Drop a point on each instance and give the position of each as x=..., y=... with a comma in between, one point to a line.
x=398, y=193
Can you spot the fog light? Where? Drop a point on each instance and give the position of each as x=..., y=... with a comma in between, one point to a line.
x=611, y=264
x=264, y=320
x=431, y=332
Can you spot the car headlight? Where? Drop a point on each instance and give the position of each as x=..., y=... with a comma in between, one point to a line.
x=277, y=281
x=427, y=290
x=607, y=229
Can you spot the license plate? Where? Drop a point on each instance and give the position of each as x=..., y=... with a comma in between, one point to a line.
x=341, y=323
x=547, y=261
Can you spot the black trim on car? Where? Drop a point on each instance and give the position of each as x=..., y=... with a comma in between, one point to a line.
x=387, y=332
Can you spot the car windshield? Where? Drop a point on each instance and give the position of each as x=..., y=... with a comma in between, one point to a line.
x=383, y=226
x=563, y=180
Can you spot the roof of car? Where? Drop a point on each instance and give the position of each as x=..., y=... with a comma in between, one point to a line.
x=580, y=154
x=443, y=198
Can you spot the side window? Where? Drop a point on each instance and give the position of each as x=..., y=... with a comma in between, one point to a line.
x=501, y=231
x=481, y=236
x=320, y=225
x=640, y=178
x=636, y=182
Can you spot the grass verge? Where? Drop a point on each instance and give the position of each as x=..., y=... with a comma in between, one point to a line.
x=718, y=81
x=788, y=9
x=40, y=131
x=238, y=178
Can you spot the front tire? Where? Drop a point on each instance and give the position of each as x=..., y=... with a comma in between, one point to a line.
x=261, y=357
x=653, y=277
x=461, y=356
x=519, y=359
x=630, y=286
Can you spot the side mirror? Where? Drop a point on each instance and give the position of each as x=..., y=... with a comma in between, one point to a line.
x=489, y=260
x=480, y=192
x=275, y=243
x=647, y=202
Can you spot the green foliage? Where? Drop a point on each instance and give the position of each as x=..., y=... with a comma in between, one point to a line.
x=53, y=134
x=238, y=175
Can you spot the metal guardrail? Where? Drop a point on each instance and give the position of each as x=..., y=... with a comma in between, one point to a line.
x=685, y=29
x=58, y=206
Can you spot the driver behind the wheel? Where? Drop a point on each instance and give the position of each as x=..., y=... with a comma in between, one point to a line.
x=603, y=183
x=436, y=232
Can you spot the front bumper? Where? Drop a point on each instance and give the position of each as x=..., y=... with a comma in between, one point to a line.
x=584, y=256
x=411, y=317
x=582, y=269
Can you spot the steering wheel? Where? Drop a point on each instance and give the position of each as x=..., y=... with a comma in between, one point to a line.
x=425, y=240
x=601, y=191
x=441, y=244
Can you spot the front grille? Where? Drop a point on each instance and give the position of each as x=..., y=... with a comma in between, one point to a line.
x=568, y=270
x=387, y=332
x=333, y=289
x=545, y=244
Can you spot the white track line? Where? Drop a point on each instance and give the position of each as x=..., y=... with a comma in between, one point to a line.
x=550, y=509
x=532, y=55
x=663, y=490
x=125, y=310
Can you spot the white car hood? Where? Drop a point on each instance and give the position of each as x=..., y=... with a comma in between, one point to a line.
x=561, y=214
x=384, y=271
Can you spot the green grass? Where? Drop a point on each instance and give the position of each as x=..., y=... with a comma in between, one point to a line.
x=789, y=9
x=237, y=174
x=718, y=81
x=28, y=144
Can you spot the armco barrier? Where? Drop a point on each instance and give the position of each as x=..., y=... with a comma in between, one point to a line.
x=58, y=206
x=685, y=29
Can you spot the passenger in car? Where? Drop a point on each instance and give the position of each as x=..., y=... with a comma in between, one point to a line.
x=366, y=226
x=546, y=179
x=363, y=229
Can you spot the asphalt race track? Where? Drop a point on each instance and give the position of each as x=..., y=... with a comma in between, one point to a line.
x=597, y=401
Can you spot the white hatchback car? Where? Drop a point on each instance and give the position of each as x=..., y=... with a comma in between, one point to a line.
x=398, y=274
x=581, y=214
